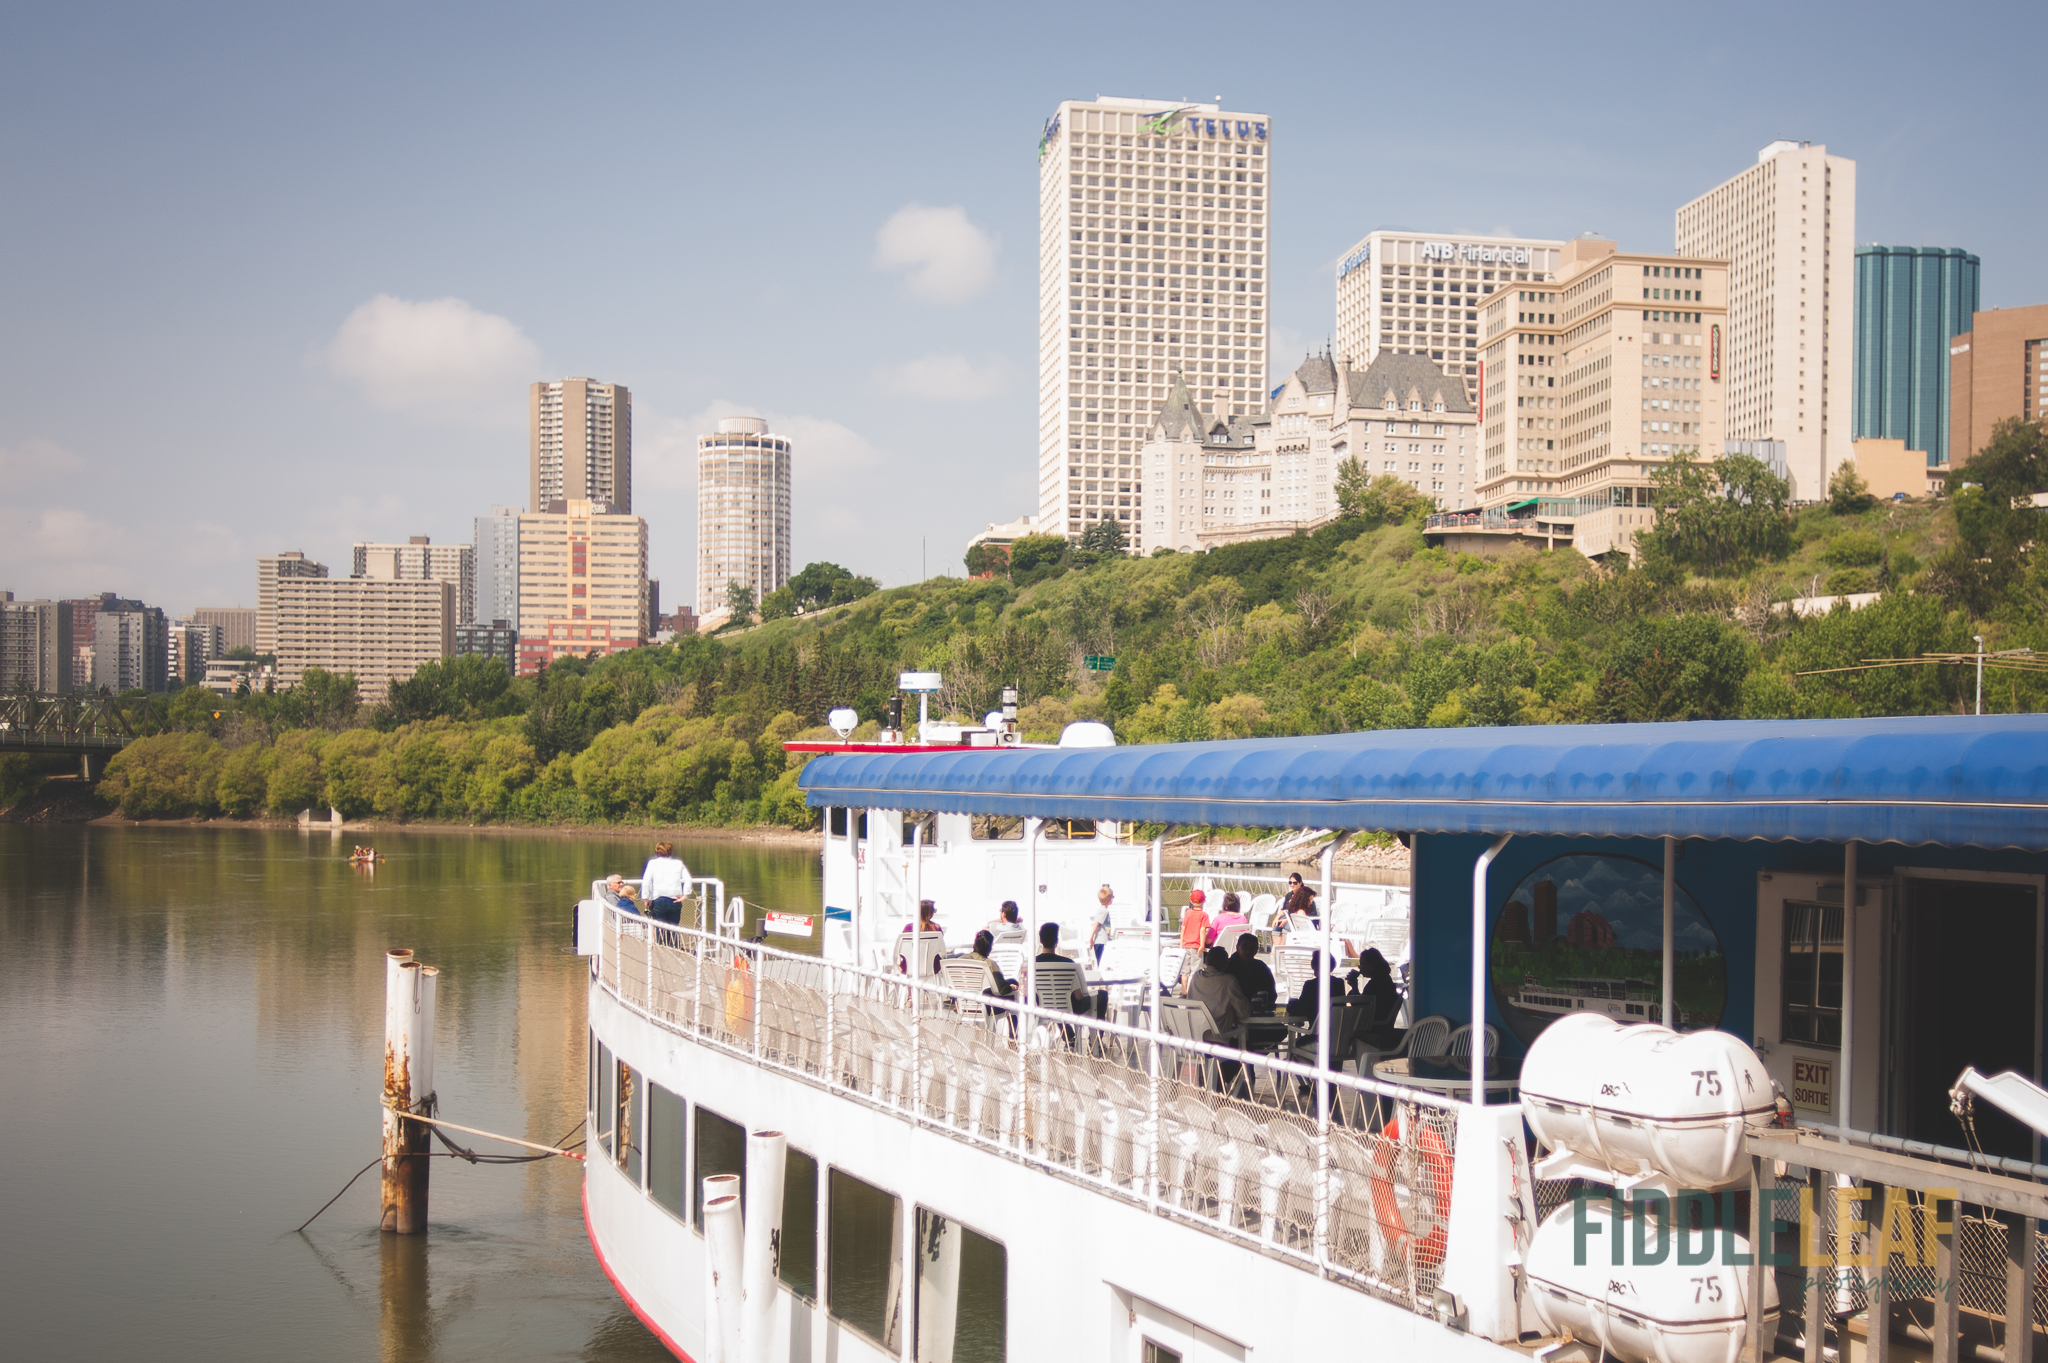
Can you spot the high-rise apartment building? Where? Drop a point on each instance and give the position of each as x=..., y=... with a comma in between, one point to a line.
x=131, y=646
x=582, y=443
x=192, y=646
x=35, y=645
x=496, y=550
x=1998, y=370
x=421, y=560
x=83, y=611
x=270, y=570
x=1787, y=229
x=1595, y=380
x=1910, y=300
x=1420, y=293
x=237, y=625
x=742, y=511
x=582, y=583
x=1154, y=241
x=380, y=630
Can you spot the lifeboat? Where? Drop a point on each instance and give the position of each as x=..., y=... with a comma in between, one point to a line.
x=1642, y=1104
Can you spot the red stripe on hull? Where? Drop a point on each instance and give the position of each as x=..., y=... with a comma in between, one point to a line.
x=620, y=1287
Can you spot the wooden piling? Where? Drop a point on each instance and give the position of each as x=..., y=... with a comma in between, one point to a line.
x=408, y=1087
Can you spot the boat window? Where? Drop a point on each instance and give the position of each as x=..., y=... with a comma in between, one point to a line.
x=604, y=1081
x=912, y=819
x=992, y=827
x=861, y=1253
x=860, y=822
x=1069, y=829
x=668, y=1140
x=800, y=1224
x=1813, y=974
x=962, y=1301
x=721, y=1149
x=1159, y=1353
x=632, y=1103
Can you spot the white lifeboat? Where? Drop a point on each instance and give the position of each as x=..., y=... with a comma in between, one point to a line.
x=1642, y=1105
x=1666, y=1312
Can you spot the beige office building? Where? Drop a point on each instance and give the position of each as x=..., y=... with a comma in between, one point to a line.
x=1998, y=369
x=582, y=583
x=743, y=501
x=380, y=629
x=1419, y=293
x=1787, y=229
x=270, y=570
x=1154, y=237
x=581, y=443
x=237, y=625
x=425, y=561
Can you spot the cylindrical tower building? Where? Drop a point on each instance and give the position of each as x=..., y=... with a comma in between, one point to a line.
x=742, y=512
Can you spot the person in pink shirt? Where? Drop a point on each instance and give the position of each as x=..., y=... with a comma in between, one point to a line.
x=1230, y=915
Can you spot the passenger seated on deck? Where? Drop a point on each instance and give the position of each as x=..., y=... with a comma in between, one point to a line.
x=1048, y=939
x=1253, y=976
x=1007, y=919
x=1214, y=986
x=911, y=948
x=1304, y=1004
x=662, y=884
x=617, y=894
x=1382, y=995
x=997, y=986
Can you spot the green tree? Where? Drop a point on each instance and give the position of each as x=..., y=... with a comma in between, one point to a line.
x=987, y=560
x=1104, y=537
x=1718, y=515
x=739, y=599
x=1848, y=494
x=827, y=584
x=1353, y=481
x=1034, y=558
x=779, y=604
x=1996, y=522
x=1673, y=667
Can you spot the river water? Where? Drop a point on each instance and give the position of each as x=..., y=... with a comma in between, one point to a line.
x=191, y=1032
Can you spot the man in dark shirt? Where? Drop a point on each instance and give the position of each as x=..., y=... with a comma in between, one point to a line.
x=1253, y=975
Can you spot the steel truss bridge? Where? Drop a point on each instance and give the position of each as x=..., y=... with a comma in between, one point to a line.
x=88, y=725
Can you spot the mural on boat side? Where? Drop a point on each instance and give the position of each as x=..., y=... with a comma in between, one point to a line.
x=1585, y=933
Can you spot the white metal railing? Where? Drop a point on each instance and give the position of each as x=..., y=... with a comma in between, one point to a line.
x=1350, y=1178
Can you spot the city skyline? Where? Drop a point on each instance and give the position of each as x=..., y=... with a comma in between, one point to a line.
x=382, y=386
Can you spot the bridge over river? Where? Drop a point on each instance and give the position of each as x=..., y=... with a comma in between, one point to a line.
x=90, y=725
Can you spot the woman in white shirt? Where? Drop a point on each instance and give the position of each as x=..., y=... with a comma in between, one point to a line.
x=662, y=884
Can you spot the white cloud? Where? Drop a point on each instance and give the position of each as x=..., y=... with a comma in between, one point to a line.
x=950, y=260
x=438, y=358
x=946, y=378
x=35, y=461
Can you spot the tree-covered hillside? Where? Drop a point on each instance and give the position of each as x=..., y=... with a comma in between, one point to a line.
x=1360, y=625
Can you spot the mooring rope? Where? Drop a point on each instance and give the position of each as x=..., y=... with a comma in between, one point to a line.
x=455, y=1151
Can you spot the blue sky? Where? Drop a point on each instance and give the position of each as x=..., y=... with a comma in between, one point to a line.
x=276, y=276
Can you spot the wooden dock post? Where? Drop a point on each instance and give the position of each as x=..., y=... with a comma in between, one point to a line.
x=408, y=1087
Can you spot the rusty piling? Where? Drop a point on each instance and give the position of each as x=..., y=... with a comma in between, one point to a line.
x=408, y=1087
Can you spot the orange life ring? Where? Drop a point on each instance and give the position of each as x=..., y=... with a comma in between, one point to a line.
x=1434, y=1185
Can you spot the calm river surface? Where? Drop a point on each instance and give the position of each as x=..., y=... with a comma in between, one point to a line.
x=191, y=1028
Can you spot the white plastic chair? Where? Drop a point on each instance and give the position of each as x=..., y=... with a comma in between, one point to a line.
x=969, y=978
x=1261, y=911
x=1460, y=1042
x=918, y=953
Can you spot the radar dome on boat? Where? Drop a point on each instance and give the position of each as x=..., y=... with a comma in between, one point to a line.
x=1669, y=1312
x=1087, y=733
x=1642, y=1101
x=843, y=721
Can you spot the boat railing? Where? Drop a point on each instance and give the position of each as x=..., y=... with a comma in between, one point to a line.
x=1895, y=1246
x=1349, y=1178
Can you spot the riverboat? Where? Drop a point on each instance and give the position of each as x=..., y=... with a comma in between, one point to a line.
x=859, y=1154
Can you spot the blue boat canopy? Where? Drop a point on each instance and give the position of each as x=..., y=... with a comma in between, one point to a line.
x=1978, y=781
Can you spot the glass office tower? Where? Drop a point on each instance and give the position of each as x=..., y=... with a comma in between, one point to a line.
x=1910, y=300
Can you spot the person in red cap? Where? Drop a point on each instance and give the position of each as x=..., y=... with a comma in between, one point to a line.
x=1194, y=920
